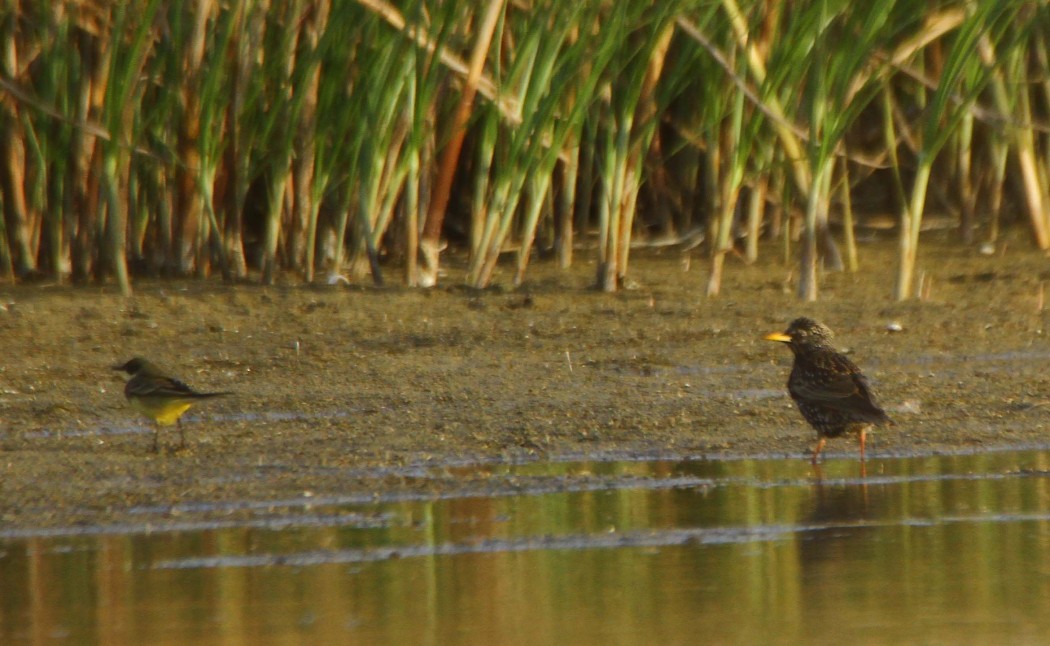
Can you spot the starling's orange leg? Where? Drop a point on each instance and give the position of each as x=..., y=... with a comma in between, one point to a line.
x=817, y=449
x=863, y=435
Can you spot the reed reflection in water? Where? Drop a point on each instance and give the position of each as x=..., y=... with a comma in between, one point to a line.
x=933, y=549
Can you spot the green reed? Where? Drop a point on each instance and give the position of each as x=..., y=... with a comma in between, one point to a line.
x=255, y=138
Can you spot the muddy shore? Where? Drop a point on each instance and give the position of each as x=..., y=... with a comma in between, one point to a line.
x=358, y=391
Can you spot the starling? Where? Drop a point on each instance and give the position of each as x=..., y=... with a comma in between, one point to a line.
x=158, y=396
x=829, y=389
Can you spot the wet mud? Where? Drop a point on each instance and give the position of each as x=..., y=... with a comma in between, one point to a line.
x=353, y=392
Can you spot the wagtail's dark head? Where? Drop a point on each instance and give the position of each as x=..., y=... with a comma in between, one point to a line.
x=132, y=366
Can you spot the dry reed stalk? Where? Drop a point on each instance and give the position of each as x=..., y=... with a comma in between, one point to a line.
x=303, y=229
x=430, y=241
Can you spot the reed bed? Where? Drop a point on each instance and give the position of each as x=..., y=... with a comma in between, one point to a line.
x=334, y=140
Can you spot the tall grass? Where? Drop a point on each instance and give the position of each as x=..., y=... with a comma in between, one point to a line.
x=328, y=140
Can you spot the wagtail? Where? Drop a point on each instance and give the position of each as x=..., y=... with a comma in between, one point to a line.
x=160, y=397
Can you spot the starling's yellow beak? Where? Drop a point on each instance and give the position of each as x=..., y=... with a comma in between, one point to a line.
x=778, y=336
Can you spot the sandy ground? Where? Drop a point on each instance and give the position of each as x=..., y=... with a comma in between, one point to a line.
x=355, y=390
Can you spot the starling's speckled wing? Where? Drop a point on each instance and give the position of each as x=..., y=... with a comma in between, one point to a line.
x=832, y=380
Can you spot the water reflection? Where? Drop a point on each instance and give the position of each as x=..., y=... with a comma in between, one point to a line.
x=932, y=549
x=840, y=515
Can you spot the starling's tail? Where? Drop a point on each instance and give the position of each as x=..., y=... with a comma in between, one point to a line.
x=880, y=418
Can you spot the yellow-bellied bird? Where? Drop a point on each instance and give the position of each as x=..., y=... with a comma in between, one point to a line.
x=159, y=396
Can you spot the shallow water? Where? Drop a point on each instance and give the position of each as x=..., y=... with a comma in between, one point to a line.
x=937, y=549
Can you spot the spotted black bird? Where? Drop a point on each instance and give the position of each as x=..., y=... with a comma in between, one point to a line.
x=828, y=388
x=158, y=396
